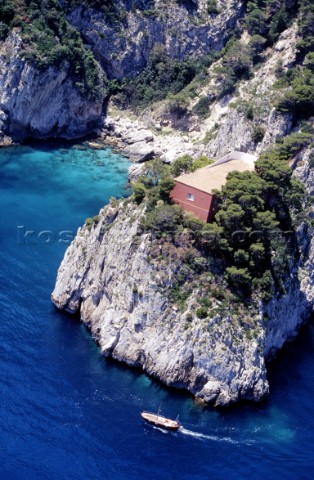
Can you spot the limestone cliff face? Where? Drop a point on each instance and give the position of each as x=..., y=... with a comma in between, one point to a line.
x=40, y=104
x=121, y=294
x=183, y=28
x=107, y=276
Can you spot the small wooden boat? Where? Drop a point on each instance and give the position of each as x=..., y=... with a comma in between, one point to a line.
x=160, y=421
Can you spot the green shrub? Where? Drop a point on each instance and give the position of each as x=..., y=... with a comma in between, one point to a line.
x=256, y=22
x=257, y=44
x=278, y=23
x=202, y=106
x=227, y=79
x=89, y=223
x=258, y=133
x=241, y=257
x=178, y=104
x=201, y=162
x=212, y=7
x=193, y=223
x=163, y=219
x=189, y=317
x=238, y=59
x=265, y=285
x=238, y=277
x=309, y=61
x=4, y=30
x=249, y=112
x=299, y=100
x=257, y=255
x=165, y=187
x=205, y=302
x=305, y=24
x=139, y=192
x=7, y=11
x=202, y=312
x=218, y=293
x=181, y=165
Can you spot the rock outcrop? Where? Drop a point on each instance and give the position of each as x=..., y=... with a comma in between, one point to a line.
x=140, y=143
x=41, y=103
x=109, y=277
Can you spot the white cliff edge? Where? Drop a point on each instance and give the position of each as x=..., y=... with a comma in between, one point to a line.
x=41, y=103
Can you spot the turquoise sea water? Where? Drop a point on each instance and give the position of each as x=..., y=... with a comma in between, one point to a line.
x=67, y=413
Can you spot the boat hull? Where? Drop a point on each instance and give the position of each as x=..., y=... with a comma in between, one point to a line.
x=160, y=421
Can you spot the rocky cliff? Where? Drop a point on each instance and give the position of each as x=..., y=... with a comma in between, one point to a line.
x=45, y=102
x=41, y=103
x=157, y=132
x=120, y=286
x=121, y=296
x=185, y=29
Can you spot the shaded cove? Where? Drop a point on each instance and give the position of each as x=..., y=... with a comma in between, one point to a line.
x=67, y=413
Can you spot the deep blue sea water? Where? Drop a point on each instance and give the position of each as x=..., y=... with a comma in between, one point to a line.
x=67, y=413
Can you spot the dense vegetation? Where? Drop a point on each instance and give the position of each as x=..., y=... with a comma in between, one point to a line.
x=162, y=77
x=49, y=39
x=252, y=239
x=256, y=219
x=268, y=18
x=299, y=81
x=7, y=13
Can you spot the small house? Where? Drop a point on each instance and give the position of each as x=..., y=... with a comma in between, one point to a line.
x=193, y=191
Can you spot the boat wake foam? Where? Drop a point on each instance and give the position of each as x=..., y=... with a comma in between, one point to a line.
x=202, y=436
x=162, y=430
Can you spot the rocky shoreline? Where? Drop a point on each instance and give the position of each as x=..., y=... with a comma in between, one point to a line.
x=106, y=277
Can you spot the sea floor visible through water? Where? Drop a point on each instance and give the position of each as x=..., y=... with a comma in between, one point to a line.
x=68, y=413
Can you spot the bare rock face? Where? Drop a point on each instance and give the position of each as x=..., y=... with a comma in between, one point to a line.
x=41, y=104
x=183, y=28
x=107, y=277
